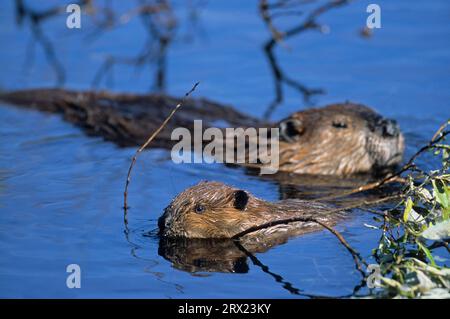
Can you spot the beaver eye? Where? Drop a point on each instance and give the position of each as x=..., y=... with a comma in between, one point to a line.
x=199, y=208
x=338, y=124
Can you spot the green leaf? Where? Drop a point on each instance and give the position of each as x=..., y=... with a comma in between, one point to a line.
x=441, y=193
x=409, y=205
x=445, y=154
x=427, y=252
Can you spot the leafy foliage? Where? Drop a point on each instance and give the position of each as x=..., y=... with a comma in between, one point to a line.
x=416, y=233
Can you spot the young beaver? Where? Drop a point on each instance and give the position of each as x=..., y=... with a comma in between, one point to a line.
x=216, y=210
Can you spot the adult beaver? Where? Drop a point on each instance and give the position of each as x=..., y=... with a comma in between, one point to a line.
x=340, y=139
x=216, y=210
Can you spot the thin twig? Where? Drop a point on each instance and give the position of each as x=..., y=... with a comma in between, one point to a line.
x=155, y=133
x=439, y=131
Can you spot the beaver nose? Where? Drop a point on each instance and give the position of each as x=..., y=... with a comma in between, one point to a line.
x=165, y=219
x=390, y=128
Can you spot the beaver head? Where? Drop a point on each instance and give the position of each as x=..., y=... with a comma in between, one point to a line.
x=339, y=139
x=216, y=210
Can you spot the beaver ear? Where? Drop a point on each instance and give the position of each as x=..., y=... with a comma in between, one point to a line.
x=290, y=129
x=240, y=199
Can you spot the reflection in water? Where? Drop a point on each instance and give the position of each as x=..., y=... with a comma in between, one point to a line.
x=225, y=256
x=210, y=255
x=151, y=262
x=216, y=255
x=305, y=186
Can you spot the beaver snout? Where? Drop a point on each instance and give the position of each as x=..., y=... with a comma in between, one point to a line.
x=384, y=127
x=165, y=219
x=390, y=128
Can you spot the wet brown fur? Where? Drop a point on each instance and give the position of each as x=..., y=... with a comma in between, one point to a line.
x=340, y=139
x=227, y=211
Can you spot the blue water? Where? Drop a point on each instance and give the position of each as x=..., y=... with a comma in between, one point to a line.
x=61, y=191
